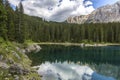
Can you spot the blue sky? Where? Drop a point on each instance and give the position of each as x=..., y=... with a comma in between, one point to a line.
x=60, y=10
x=99, y=3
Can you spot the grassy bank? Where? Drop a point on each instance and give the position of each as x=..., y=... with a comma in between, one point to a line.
x=14, y=64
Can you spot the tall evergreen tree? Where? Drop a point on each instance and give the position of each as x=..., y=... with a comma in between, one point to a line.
x=21, y=9
x=3, y=18
x=10, y=21
x=20, y=23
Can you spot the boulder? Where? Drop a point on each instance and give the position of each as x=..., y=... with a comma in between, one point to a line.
x=17, y=70
x=33, y=48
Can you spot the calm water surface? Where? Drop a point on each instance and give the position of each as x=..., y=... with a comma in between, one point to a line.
x=104, y=60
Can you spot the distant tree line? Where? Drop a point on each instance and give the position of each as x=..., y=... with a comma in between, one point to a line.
x=16, y=26
x=64, y=32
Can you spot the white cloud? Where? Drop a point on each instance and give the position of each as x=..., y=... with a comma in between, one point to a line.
x=87, y=3
x=55, y=10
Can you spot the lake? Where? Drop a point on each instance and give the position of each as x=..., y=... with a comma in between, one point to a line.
x=102, y=61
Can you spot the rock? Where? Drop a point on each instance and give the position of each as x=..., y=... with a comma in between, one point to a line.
x=25, y=72
x=37, y=48
x=16, y=55
x=11, y=61
x=22, y=51
x=1, y=57
x=82, y=45
x=33, y=48
x=6, y=78
x=78, y=19
x=5, y=60
x=105, y=14
x=30, y=48
x=33, y=78
x=17, y=48
x=4, y=65
x=15, y=69
x=16, y=77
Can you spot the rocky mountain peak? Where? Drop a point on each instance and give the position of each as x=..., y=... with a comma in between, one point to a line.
x=105, y=14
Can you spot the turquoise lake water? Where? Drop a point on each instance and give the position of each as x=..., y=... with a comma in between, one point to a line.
x=103, y=60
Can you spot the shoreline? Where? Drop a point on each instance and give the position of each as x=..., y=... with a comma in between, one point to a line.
x=17, y=64
x=79, y=44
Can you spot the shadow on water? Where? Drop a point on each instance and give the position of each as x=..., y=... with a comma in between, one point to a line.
x=97, y=55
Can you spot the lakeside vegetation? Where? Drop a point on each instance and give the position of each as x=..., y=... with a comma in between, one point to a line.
x=13, y=62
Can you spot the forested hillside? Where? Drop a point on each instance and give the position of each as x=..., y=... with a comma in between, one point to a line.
x=16, y=26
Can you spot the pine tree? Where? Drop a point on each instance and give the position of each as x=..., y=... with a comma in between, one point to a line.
x=10, y=21
x=19, y=29
x=3, y=18
x=21, y=9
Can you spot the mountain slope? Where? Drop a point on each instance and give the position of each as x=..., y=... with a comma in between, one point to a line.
x=105, y=14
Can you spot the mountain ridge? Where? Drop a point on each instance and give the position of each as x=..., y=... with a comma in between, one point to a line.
x=104, y=14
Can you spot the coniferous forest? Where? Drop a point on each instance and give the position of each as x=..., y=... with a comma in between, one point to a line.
x=17, y=26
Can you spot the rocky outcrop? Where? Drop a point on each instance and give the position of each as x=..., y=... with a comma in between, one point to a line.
x=29, y=48
x=32, y=47
x=78, y=19
x=105, y=14
x=15, y=64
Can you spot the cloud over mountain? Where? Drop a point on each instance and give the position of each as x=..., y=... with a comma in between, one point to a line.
x=56, y=10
